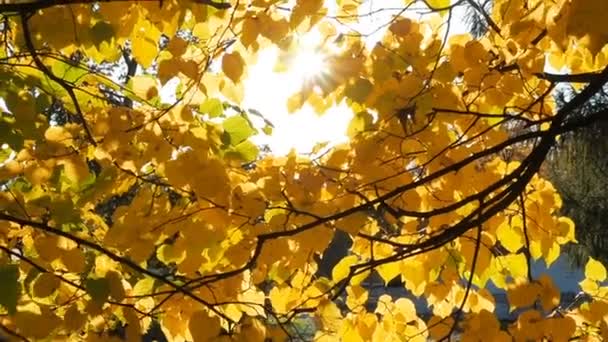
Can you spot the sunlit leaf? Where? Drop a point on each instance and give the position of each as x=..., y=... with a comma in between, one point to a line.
x=342, y=269
x=594, y=270
x=237, y=129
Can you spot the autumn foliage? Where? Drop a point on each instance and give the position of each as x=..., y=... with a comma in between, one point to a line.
x=120, y=211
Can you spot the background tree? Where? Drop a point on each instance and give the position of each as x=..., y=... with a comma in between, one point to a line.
x=578, y=170
x=119, y=208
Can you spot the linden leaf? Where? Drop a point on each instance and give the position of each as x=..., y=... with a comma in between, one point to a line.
x=294, y=103
x=359, y=123
x=237, y=130
x=440, y=327
x=389, y=271
x=117, y=290
x=38, y=326
x=342, y=268
x=102, y=32
x=45, y=285
x=143, y=43
x=74, y=319
x=168, y=254
x=516, y=265
x=282, y=298
x=359, y=91
x=212, y=107
x=57, y=134
x=353, y=222
x=510, y=236
x=204, y=328
x=561, y=328
x=144, y=87
x=177, y=46
x=233, y=66
x=356, y=297
x=98, y=289
x=439, y=4
x=245, y=151
x=10, y=288
x=522, y=295
x=550, y=295
x=251, y=30
x=68, y=72
x=201, y=30
x=143, y=287
x=74, y=260
x=594, y=270
x=589, y=286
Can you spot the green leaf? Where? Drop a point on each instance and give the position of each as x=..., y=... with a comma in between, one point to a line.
x=237, y=130
x=98, y=289
x=245, y=151
x=212, y=107
x=68, y=72
x=9, y=287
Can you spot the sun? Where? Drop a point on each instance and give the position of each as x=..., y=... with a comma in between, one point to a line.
x=268, y=87
x=308, y=65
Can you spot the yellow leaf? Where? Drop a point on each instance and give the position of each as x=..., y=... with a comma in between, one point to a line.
x=252, y=297
x=177, y=46
x=203, y=328
x=45, y=285
x=75, y=169
x=74, y=319
x=144, y=44
x=516, y=265
x=251, y=30
x=294, y=103
x=342, y=268
x=389, y=271
x=144, y=87
x=550, y=295
x=74, y=260
x=37, y=325
x=356, y=297
x=143, y=287
x=117, y=290
x=561, y=328
x=522, y=295
x=201, y=30
x=510, y=235
x=352, y=223
x=57, y=134
x=309, y=7
x=233, y=66
x=438, y=4
x=283, y=298
x=439, y=327
x=594, y=270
